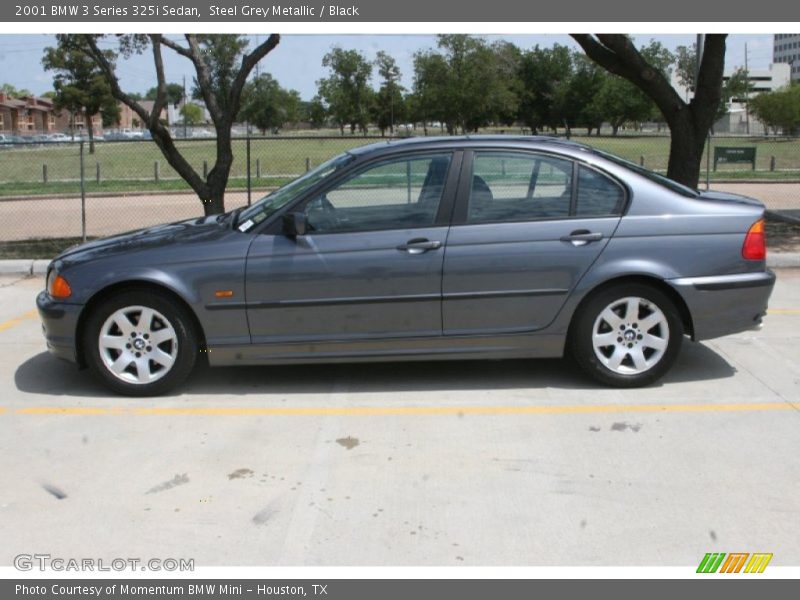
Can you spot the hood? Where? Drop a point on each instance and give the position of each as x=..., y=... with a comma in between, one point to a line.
x=184, y=232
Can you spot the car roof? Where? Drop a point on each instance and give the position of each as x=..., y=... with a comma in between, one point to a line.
x=540, y=142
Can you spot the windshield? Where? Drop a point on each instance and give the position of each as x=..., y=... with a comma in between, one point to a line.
x=652, y=176
x=273, y=202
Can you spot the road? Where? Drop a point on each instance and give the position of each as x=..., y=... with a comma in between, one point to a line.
x=107, y=215
x=457, y=463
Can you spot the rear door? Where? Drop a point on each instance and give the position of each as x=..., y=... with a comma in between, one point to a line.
x=527, y=227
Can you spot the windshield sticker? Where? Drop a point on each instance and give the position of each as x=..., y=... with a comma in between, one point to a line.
x=247, y=225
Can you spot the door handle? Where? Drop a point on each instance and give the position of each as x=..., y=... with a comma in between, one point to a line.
x=419, y=245
x=581, y=237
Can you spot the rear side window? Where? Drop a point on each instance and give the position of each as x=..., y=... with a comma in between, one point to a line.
x=510, y=186
x=598, y=195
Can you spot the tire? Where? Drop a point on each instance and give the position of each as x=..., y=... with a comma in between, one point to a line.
x=135, y=358
x=640, y=349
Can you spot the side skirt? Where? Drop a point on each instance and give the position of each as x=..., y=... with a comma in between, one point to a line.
x=387, y=350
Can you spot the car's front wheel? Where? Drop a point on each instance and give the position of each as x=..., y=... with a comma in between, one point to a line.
x=627, y=335
x=140, y=343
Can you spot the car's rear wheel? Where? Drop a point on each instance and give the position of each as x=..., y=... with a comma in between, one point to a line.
x=140, y=343
x=627, y=336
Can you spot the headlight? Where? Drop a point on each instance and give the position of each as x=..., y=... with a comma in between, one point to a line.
x=57, y=286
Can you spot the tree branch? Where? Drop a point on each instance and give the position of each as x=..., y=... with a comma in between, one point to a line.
x=177, y=47
x=617, y=54
x=204, y=81
x=161, y=135
x=161, y=89
x=249, y=61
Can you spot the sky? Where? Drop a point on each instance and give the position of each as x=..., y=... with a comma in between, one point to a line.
x=297, y=61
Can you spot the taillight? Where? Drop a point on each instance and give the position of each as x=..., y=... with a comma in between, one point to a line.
x=58, y=287
x=755, y=242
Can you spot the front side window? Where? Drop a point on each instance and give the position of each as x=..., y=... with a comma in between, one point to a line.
x=509, y=186
x=272, y=203
x=400, y=193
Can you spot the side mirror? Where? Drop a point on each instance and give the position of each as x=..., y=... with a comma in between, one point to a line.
x=295, y=223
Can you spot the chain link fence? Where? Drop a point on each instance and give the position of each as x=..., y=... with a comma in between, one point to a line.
x=69, y=190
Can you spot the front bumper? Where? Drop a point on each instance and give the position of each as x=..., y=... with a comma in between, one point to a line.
x=59, y=326
x=725, y=304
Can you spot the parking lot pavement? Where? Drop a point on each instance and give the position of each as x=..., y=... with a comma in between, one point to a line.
x=470, y=463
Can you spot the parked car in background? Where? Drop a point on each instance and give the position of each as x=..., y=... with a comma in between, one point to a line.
x=425, y=249
x=7, y=140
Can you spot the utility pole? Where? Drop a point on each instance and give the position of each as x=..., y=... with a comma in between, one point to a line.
x=391, y=106
x=184, y=107
x=700, y=46
x=746, y=93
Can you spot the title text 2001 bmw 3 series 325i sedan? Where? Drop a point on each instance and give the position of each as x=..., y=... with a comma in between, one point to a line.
x=445, y=248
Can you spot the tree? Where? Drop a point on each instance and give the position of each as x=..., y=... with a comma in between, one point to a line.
x=222, y=64
x=505, y=94
x=174, y=93
x=620, y=101
x=346, y=90
x=578, y=100
x=13, y=92
x=389, y=106
x=686, y=66
x=543, y=73
x=735, y=87
x=268, y=106
x=79, y=85
x=466, y=85
x=690, y=122
x=427, y=103
x=315, y=113
x=191, y=114
x=780, y=109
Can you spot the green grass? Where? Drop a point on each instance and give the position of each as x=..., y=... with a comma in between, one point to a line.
x=129, y=166
x=58, y=188
x=655, y=151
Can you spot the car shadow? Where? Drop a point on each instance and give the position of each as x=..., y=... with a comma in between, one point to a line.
x=44, y=374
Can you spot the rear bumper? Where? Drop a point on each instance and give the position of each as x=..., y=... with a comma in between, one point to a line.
x=59, y=326
x=725, y=304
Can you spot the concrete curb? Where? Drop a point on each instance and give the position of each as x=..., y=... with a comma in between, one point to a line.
x=783, y=260
x=25, y=267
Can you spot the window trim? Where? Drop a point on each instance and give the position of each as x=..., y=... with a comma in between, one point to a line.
x=461, y=212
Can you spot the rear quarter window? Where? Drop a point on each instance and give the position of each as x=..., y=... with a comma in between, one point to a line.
x=598, y=195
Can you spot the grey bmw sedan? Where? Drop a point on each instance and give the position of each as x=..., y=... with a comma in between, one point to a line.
x=425, y=249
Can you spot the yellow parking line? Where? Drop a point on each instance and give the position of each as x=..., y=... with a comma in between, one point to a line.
x=17, y=320
x=70, y=410
x=367, y=411
x=783, y=311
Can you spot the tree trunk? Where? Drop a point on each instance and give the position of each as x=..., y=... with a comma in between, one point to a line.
x=686, y=149
x=90, y=130
x=214, y=204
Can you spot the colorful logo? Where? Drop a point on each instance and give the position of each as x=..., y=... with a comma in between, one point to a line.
x=719, y=562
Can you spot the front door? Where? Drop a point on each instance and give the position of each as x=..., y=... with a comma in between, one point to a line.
x=370, y=265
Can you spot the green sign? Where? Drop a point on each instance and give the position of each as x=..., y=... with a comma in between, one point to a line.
x=732, y=155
